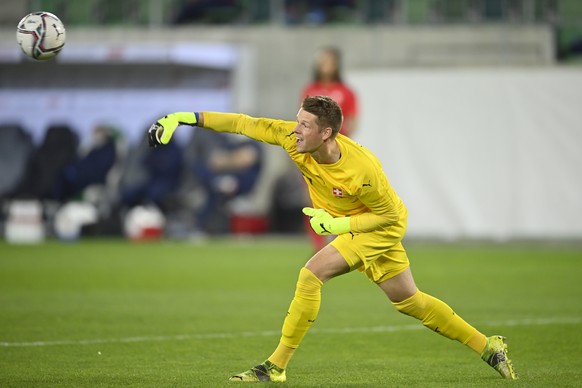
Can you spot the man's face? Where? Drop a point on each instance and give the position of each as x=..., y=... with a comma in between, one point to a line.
x=309, y=137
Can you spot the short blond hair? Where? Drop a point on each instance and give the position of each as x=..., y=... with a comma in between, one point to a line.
x=327, y=111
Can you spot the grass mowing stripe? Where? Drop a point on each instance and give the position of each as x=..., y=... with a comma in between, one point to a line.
x=269, y=333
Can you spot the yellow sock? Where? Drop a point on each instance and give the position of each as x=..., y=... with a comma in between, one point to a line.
x=439, y=317
x=300, y=316
x=281, y=356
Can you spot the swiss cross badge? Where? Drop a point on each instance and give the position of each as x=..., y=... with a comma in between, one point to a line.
x=337, y=192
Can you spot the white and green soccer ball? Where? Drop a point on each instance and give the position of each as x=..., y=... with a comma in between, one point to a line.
x=41, y=35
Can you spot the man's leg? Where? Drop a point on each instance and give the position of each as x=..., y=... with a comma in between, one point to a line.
x=439, y=317
x=302, y=312
x=434, y=313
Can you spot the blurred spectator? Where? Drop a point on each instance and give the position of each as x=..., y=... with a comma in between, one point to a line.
x=327, y=81
x=208, y=11
x=90, y=169
x=225, y=166
x=47, y=163
x=290, y=195
x=569, y=44
x=151, y=175
x=318, y=11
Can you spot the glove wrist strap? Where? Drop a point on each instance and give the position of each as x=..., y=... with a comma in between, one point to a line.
x=341, y=225
x=187, y=118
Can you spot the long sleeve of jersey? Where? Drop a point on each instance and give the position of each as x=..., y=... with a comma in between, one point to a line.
x=384, y=206
x=368, y=222
x=261, y=129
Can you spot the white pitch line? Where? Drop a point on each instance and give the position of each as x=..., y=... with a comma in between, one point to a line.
x=272, y=333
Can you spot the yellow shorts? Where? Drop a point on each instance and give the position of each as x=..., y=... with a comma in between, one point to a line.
x=379, y=254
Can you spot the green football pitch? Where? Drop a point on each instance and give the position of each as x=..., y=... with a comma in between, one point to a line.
x=113, y=313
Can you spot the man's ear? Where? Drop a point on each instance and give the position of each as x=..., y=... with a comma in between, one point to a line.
x=327, y=132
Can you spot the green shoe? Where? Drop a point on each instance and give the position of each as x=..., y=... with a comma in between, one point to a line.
x=495, y=354
x=267, y=371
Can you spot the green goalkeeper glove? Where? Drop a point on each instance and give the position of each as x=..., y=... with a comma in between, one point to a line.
x=162, y=130
x=324, y=223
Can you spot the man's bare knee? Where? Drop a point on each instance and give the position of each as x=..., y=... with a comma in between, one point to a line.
x=327, y=264
x=400, y=287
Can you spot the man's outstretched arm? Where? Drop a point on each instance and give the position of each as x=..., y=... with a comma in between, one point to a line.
x=261, y=129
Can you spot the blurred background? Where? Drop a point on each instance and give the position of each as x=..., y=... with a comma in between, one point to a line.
x=473, y=107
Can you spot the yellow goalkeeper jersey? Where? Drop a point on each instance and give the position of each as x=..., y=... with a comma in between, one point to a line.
x=355, y=186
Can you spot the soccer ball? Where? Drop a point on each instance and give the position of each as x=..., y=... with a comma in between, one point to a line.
x=41, y=35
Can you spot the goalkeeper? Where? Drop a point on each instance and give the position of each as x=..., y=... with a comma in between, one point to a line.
x=352, y=198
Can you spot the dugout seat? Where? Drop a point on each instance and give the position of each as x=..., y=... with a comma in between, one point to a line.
x=15, y=150
x=47, y=163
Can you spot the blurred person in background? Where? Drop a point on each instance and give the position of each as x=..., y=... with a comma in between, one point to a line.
x=316, y=11
x=354, y=201
x=328, y=81
x=90, y=169
x=151, y=176
x=226, y=166
x=207, y=11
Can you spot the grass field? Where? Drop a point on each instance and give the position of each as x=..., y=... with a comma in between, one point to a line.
x=111, y=313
